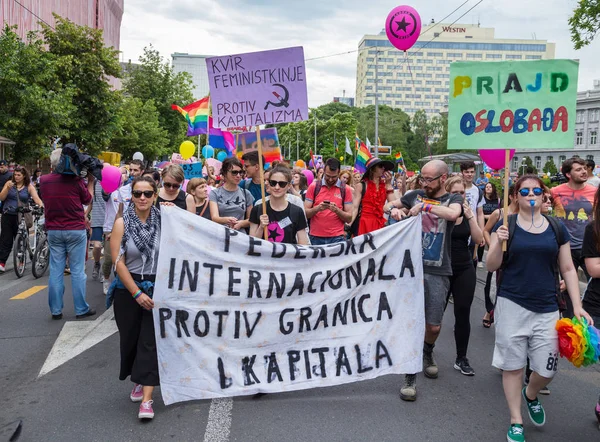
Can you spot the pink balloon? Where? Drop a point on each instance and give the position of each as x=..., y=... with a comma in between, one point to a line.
x=403, y=27
x=111, y=178
x=310, y=177
x=494, y=158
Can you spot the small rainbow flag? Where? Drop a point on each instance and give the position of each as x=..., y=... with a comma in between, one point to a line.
x=362, y=156
x=196, y=114
x=400, y=162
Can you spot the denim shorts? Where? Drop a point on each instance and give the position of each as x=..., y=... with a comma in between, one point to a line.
x=97, y=233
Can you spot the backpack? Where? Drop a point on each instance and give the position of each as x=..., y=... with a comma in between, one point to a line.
x=247, y=183
x=320, y=184
x=356, y=223
x=555, y=225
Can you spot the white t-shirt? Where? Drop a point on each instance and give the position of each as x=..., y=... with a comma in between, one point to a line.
x=472, y=196
x=112, y=207
x=594, y=181
x=124, y=196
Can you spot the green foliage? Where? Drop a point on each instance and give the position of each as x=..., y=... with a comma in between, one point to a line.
x=155, y=80
x=84, y=65
x=550, y=167
x=36, y=106
x=585, y=22
x=139, y=130
x=528, y=166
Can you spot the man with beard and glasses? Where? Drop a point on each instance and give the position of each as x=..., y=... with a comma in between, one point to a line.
x=574, y=206
x=440, y=210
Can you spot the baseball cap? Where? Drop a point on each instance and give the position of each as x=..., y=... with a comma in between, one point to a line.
x=3, y=163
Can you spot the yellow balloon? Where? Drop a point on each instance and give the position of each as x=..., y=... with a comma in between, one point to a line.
x=488, y=175
x=187, y=150
x=341, y=158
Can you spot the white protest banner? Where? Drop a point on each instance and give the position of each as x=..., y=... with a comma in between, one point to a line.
x=258, y=88
x=237, y=315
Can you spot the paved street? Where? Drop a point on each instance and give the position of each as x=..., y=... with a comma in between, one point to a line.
x=83, y=399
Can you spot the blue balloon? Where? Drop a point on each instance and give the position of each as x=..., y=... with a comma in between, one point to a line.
x=208, y=151
x=221, y=156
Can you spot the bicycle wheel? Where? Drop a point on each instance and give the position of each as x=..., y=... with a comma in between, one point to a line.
x=20, y=254
x=41, y=257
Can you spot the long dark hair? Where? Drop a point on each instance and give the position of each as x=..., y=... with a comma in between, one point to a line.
x=23, y=171
x=596, y=220
x=494, y=195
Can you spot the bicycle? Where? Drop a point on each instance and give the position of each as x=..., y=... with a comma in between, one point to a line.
x=23, y=247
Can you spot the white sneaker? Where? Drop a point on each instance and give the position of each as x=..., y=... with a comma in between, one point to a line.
x=105, y=286
x=2, y=268
x=101, y=278
x=480, y=265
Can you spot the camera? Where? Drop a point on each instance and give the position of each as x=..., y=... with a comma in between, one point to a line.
x=558, y=178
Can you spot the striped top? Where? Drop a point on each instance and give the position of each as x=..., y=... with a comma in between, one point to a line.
x=98, y=206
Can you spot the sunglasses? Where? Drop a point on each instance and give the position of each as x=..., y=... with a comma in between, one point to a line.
x=139, y=193
x=171, y=186
x=281, y=184
x=236, y=172
x=458, y=193
x=537, y=191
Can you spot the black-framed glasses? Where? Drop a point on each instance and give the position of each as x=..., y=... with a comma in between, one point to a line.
x=236, y=172
x=281, y=184
x=139, y=193
x=537, y=191
x=171, y=186
x=429, y=180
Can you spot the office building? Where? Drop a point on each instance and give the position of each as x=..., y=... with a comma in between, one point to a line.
x=348, y=101
x=97, y=14
x=420, y=78
x=195, y=65
x=585, y=142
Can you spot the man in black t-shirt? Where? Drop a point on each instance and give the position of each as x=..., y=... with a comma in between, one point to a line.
x=439, y=210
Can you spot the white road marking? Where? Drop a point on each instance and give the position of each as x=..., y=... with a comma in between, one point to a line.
x=219, y=420
x=76, y=337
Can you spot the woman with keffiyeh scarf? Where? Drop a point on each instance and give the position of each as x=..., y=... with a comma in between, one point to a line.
x=134, y=248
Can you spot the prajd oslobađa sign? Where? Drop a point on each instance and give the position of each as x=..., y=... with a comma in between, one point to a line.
x=258, y=88
x=521, y=104
x=237, y=315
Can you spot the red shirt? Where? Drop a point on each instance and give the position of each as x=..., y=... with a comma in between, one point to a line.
x=327, y=224
x=64, y=197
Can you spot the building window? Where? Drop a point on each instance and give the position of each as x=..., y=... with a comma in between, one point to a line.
x=538, y=163
x=463, y=46
x=515, y=164
x=562, y=159
x=370, y=59
x=589, y=157
x=593, y=137
x=580, y=117
x=495, y=56
x=594, y=114
x=533, y=57
x=454, y=55
x=550, y=158
x=368, y=88
x=578, y=138
x=368, y=101
x=434, y=68
x=423, y=89
x=435, y=54
x=514, y=57
x=433, y=82
x=419, y=75
x=474, y=56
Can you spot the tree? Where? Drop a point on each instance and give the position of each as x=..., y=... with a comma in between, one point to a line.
x=155, y=80
x=528, y=167
x=550, y=168
x=585, y=22
x=139, y=130
x=85, y=64
x=35, y=105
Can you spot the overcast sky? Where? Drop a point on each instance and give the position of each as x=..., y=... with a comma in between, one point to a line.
x=211, y=27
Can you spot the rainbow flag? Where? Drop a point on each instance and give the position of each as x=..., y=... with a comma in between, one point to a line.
x=362, y=156
x=400, y=162
x=196, y=114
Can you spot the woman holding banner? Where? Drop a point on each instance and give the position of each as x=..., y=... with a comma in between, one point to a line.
x=134, y=248
x=527, y=306
x=285, y=222
x=464, y=278
x=229, y=204
x=171, y=192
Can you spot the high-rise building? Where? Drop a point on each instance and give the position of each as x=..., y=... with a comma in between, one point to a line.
x=97, y=14
x=420, y=78
x=585, y=144
x=348, y=101
x=195, y=65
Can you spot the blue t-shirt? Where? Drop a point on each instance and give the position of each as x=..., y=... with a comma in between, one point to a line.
x=528, y=279
x=253, y=188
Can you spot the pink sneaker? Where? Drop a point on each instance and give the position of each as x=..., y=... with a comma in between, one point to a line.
x=137, y=393
x=146, y=411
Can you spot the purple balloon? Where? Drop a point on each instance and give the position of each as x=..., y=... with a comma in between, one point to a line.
x=403, y=27
x=494, y=158
x=310, y=177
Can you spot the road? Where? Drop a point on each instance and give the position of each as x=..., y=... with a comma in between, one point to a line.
x=83, y=399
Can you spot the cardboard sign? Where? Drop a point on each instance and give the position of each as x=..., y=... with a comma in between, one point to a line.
x=520, y=104
x=258, y=88
x=237, y=315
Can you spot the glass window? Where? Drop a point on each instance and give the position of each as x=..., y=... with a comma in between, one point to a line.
x=368, y=88
x=594, y=114
x=562, y=159
x=533, y=57
x=403, y=103
x=515, y=164
x=424, y=75
x=580, y=117
x=495, y=56
x=423, y=89
x=404, y=88
x=514, y=57
x=474, y=56
x=370, y=59
x=435, y=54
x=538, y=163
x=393, y=81
x=434, y=68
x=593, y=137
x=433, y=82
x=578, y=138
x=463, y=46
x=368, y=101
x=412, y=96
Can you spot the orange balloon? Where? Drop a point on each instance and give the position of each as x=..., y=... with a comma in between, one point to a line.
x=301, y=164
